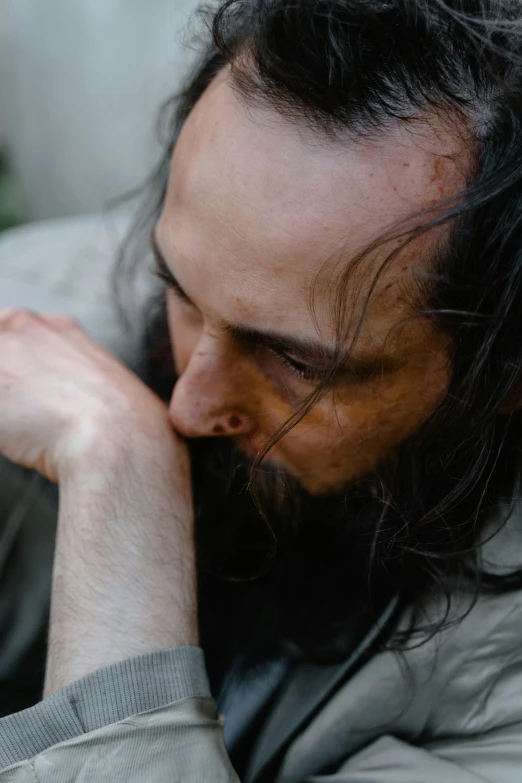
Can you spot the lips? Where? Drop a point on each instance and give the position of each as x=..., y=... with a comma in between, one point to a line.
x=248, y=445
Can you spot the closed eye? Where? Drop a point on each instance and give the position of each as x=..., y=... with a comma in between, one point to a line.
x=306, y=372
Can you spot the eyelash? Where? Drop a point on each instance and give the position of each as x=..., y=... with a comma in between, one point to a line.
x=307, y=373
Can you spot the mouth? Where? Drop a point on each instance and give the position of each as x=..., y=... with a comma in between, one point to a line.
x=272, y=461
x=252, y=448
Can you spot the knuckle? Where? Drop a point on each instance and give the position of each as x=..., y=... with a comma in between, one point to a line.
x=15, y=319
x=61, y=320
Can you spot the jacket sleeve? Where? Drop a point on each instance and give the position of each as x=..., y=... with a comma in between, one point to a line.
x=183, y=743
x=148, y=718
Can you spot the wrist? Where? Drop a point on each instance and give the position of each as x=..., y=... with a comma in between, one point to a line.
x=125, y=576
x=104, y=438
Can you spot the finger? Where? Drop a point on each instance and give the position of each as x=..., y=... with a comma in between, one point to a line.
x=15, y=318
x=6, y=312
x=61, y=321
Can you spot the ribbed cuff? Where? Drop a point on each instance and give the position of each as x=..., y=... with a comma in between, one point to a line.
x=104, y=697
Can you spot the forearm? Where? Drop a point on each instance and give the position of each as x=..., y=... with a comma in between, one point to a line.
x=124, y=576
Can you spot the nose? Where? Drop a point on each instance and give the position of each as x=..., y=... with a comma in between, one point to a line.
x=211, y=396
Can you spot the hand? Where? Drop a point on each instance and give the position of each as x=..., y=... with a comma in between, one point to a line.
x=124, y=577
x=60, y=392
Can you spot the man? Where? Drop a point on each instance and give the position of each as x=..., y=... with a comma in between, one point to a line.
x=340, y=237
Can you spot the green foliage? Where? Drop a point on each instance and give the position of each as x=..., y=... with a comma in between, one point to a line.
x=11, y=202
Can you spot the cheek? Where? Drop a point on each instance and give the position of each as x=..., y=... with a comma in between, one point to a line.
x=351, y=431
x=185, y=330
x=395, y=406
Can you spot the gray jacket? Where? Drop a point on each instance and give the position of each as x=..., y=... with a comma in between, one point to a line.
x=450, y=709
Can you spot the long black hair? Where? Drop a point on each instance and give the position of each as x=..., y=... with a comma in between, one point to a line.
x=355, y=68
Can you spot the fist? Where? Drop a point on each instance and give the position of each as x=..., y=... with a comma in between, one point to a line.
x=60, y=392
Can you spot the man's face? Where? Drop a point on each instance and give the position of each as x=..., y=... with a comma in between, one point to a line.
x=258, y=214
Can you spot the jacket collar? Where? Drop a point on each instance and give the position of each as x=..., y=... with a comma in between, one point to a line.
x=311, y=686
x=304, y=695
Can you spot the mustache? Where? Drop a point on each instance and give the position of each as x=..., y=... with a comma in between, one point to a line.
x=251, y=516
x=232, y=471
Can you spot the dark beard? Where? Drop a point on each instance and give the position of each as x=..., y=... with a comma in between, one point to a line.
x=279, y=569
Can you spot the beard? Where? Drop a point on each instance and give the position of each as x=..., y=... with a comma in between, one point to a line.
x=249, y=515
x=279, y=569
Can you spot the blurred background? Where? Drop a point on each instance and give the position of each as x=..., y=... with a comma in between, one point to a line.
x=80, y=85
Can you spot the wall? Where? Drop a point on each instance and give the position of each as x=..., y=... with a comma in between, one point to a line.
x=80, y=84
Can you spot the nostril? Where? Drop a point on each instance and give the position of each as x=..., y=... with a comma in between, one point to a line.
x=232, y=424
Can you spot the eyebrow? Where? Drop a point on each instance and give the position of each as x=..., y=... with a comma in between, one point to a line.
x=305, y=350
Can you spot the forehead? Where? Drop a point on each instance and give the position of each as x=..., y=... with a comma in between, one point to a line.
x=256, y=208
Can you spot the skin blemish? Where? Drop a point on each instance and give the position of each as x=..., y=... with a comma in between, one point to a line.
x=234, y=422
x=438, y=175
x=218, y=429
x=405, y=164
